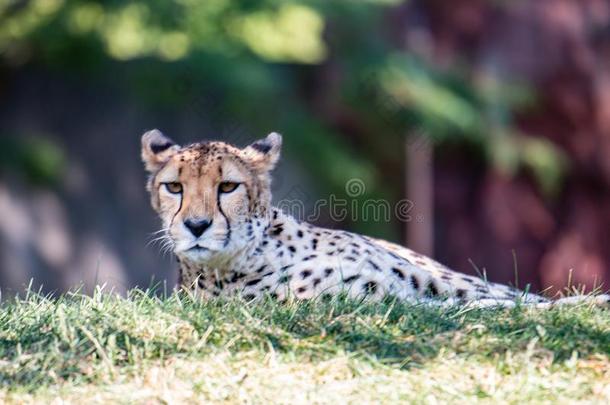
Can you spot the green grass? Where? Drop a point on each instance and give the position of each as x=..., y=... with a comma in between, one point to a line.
x=177, y=349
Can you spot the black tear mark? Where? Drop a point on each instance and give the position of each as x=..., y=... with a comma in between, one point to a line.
x=228, y=237
x=414, y=282
x=431, y=290
x=262, y=146
x=160, y=147
x=398, y=273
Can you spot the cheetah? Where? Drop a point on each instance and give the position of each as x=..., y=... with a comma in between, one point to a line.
x=214, y=201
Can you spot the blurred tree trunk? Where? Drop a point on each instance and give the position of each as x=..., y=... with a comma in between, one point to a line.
x=420, y=191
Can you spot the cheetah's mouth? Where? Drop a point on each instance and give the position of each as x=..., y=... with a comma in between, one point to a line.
x=198, y=249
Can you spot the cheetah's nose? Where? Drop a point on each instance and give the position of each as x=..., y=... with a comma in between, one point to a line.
x=197, y=227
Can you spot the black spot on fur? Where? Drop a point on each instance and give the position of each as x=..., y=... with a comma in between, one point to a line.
x=395, y=256
x=260, y=269
x=350, y=258
x=414, y=282
x=316, y=281
x=398, y=273
x=374, y=265
x=369, y=287
x=236, y=277
x=292, y=249
x=328, y=271
x=305, y=274
x=301, y=289
x=351, y=279
x=314, y=244
x=460, y=294
x=309, y=257
x=431, y=290
x=253, y=282
x=300, y=233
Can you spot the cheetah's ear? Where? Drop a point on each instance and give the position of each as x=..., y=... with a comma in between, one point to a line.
x=265, y=153
x=156, y=149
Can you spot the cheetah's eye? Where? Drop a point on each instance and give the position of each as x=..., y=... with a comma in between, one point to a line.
x=227, y=187
x=174, y=188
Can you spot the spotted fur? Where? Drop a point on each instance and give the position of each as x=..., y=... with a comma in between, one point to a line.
x=253, y=249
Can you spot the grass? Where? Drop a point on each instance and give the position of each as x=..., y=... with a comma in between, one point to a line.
x=177, y=349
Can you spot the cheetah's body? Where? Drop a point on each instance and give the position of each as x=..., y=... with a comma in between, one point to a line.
x=296, y=259
x=214, y=201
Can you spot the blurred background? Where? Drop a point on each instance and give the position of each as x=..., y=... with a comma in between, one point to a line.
x=491, y=116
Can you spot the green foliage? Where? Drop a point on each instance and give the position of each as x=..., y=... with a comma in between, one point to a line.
x=39, y=160
x=252, y=62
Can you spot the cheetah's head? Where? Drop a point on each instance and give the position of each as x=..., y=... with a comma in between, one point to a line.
x=213, y=198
